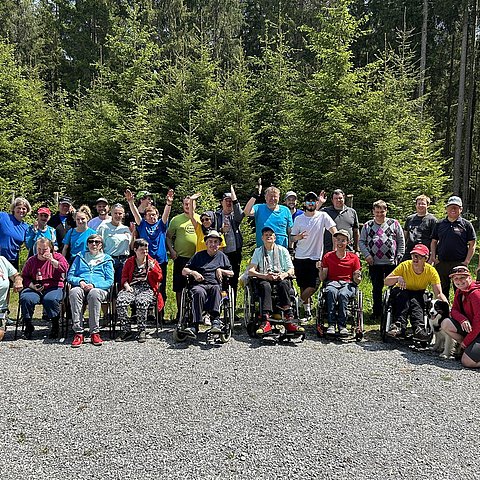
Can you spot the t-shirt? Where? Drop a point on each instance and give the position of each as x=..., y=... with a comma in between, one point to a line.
x=453, y=238
x=183, y=233
x=7, y=270
x=32, y=236
x=284, y=259
x=207, y=265
x=415, y=281
x=116, y=239
x=297, y=213
x=419, y=230
x=280, y=220
x=97, y=221
x=51, y=277
x=12, y=235
x=345, y=219
x=311, y=246
x=341, y=269
x=77, y=241
x=201, y=245
x=154, y=234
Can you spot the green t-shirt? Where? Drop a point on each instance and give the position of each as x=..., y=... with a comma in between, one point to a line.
x=183, y=234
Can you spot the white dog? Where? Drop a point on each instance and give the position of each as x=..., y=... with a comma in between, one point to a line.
x=443, y=342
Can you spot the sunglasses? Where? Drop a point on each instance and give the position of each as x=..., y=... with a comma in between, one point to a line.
x=206, y=219
x=95, y=241
x=310, y=202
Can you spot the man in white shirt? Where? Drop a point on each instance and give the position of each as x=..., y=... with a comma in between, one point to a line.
x=102, y=208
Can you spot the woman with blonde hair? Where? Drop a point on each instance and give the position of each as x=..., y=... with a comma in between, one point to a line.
x=75, y=241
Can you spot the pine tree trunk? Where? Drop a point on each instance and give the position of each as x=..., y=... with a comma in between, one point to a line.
x=423, y=53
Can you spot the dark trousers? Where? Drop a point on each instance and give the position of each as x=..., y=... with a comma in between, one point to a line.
x=205, y=298
x=408, y=302
x=444, y=268
x=377, y=276
x=235, y=260
x=264, y=288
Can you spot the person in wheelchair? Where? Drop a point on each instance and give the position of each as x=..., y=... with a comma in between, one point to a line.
x=340, y=272
x=272, y=265
x=207, y=269
x=410, y=279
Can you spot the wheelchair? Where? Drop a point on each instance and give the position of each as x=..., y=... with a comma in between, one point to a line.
x=354, y=316
x=252, y=314
x=227, y=315
x=388, y=318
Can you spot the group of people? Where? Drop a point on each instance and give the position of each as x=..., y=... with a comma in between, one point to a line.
x=131, y=252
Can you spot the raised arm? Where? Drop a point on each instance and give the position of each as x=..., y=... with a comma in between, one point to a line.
x=131, y=203
x=248, y=207
x=168, y=206
x=238, y=213
x=192, y=206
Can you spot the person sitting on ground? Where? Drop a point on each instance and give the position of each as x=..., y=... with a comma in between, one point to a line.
x=43, y=281
x=63, y=220
x=141, y=279
x=410, y=279
x=154, y=230
x=102, y=209
x=204, y=226
x=75, y=240
x=341, y=274
x=116, y=239
x=13, y=229
x=271, y=265
x=207, y=268
x=8, y=273
x=91, y=276
x=40, y=229
x=464, y=322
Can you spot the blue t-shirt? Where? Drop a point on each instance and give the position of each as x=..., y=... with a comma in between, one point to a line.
x=77, y=241
x=155, y=236
x=279, y=220
x=12, y=235
x=32, y=236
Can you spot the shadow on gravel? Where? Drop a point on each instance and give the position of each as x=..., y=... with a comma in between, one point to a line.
x=241, y=335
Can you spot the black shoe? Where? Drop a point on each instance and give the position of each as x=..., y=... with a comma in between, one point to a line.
x=217, y=326
x=421, y=335
x=55, y=329
x=190, y=332
x=142, y=336
x=29, y=329
x=124, y=336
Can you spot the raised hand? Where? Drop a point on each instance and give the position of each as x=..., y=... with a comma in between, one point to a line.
x=129, y=196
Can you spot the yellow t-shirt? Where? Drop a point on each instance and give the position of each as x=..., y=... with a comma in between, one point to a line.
x=415, y=281
x=200, y=238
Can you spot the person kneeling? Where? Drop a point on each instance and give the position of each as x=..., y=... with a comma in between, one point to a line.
x=464, y=322
x=207, y=268
x=340, y=270
x=411, y=278
x=272, y=266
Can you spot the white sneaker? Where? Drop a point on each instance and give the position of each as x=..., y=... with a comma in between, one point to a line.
x=343, y=332
x=331, y=330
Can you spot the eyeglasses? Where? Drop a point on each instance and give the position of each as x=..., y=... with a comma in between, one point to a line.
x=95, y=241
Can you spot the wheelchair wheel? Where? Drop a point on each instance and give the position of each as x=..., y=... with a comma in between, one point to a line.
x=247, y=306
x=386, y=319
x=321, y=314
x=179, y=336
x=228, y=317
x=359, y=316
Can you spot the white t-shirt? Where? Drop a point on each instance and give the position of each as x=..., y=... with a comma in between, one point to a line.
x=7, y=270
x=97, y=221
x=312, y=246
x=116, y=239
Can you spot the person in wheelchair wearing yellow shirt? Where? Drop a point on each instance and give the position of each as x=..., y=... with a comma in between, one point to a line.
x=410, y=279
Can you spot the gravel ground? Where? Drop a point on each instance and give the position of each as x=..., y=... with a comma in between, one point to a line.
x=240, y=410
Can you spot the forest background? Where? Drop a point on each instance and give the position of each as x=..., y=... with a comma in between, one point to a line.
x=376, y=97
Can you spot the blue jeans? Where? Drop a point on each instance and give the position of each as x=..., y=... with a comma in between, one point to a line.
x=50, y=299
x=339, y=293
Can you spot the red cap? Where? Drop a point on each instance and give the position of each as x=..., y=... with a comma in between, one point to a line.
x=44, y=210
x=421, y=250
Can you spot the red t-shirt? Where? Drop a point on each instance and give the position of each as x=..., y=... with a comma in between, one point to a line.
x=341, y=268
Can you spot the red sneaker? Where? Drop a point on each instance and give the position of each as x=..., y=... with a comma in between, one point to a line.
x=77, y=340
x=264, y=328
x=293, y=328
x=96, y=339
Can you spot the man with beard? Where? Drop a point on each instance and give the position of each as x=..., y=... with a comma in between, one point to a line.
x=63, y=220
x=308, y=230
x=103, y=208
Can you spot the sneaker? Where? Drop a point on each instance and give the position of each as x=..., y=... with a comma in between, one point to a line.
x=421, y=335
x=29, y=329
x=394, y=330
x=77, y=340
x=217, y=326
x=206, y=320
x=293, y=328
x=9, y=322
x=343, y=332
x=96, y=339
x=124, y=336
x=331, y=330
x=264, y=328
x=142, y=336
x=190, y=332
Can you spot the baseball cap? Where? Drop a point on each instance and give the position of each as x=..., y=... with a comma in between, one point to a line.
x=310, y=196
x=343, y=232
x=212, y=234
x=459, y=270
x=102, y=199
x=290, y=193
x=421, y=250
x=267, y=229
x=454, y=200
x=143, y=193
x=44, y=210
x=65, y=200
x=226, y=195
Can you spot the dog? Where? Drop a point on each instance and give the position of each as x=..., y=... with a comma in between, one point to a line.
x=443, y=343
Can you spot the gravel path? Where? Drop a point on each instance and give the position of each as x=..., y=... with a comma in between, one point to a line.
x=241, y=410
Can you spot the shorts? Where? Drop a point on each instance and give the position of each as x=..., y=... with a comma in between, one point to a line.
x=473, y=350
x=306, y=272
x=179, y=281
